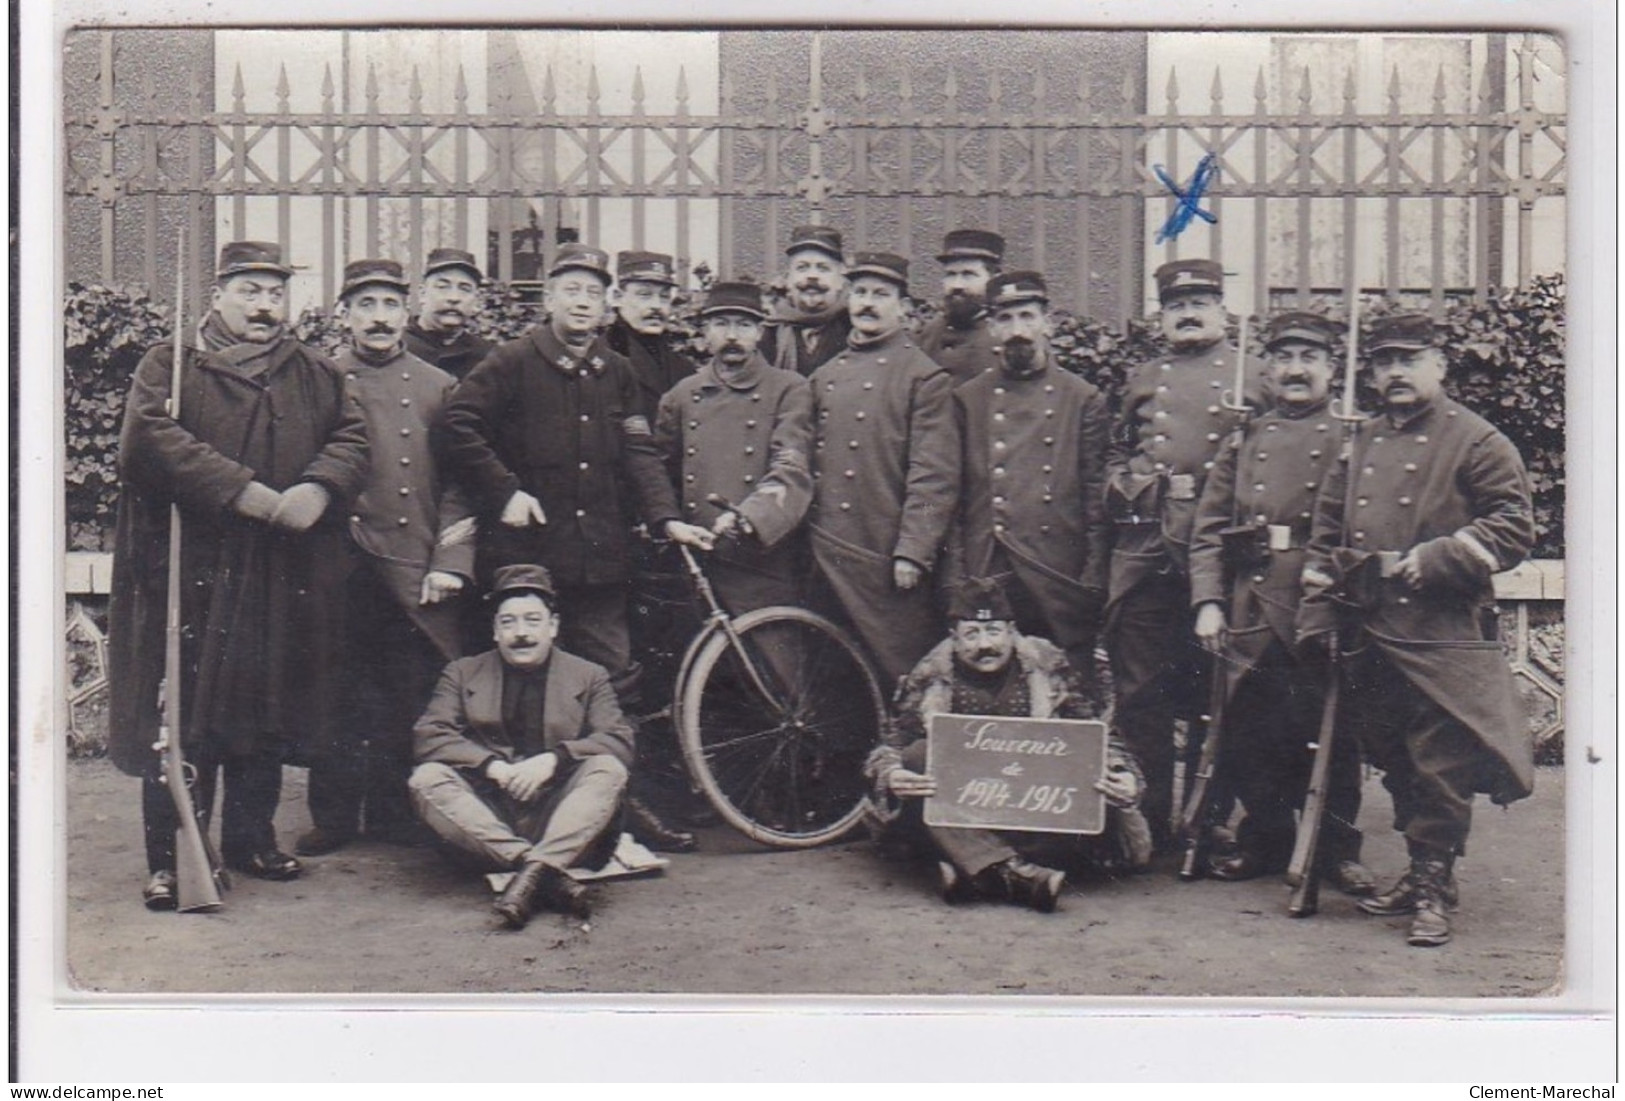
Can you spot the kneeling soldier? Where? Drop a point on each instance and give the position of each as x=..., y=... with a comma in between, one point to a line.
x=987, y=667
x=523, y=754
x=1247, y=550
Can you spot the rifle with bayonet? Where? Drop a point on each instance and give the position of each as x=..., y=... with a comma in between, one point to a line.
x=198, y=872
x=1303, y=872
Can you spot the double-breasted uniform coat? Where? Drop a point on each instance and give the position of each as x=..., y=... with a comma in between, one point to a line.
x=1426, y=685
x=407, y=520
x=561, y=425
x=886, y=481
x=1246, y=555
x=260, y=607
x=1172, y=419
x=965, y=353
x=1032, y=500
x=748, y=440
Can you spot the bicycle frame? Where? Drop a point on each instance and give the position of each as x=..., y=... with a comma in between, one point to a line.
x=717, y=620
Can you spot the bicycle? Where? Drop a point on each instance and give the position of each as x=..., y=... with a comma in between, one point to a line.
x=776, y=711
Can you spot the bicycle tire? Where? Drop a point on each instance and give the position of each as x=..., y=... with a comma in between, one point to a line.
x=790, y=777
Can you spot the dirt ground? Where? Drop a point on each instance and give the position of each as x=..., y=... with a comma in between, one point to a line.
x=737, y=919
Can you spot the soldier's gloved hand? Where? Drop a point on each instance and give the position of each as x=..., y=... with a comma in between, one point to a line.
x=690, y=535
x=1120, y=787
x=438, y=585
x=905, y=574
x=905, y=783
x=1210, y=627
x=523, y=510
x=527, y=778
x=301, y=506
x=257, y=501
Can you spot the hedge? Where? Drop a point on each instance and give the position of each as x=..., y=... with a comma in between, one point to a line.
x=1507, y=363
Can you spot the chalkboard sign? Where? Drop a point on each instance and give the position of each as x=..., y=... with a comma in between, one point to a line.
x=1004, y=773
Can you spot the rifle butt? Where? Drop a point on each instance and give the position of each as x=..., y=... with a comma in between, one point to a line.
x=198, y=890
x=1305, y=899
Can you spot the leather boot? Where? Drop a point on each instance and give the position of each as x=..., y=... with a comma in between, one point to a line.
x=1431, y=925
x=1400, y=899
x=562, y=894
x=1024, y=884
x=514, y=905
x=645, y=825
x=954, y=885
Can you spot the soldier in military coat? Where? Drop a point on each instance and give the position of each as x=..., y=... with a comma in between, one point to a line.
x=448, y=299
x=1176, y=409
x=959, y=338
x=414, y=534
x=1032, y=502
x=810, y=326
x=645, y=287
x=262, y=461
x=742, y=430
x=543, y=434
x=1429, y=503
x=886, y=471
x=1246, y=560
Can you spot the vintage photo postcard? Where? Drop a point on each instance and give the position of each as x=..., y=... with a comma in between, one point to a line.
x=1003, y=518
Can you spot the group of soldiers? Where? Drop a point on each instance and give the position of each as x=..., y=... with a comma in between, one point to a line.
x=354, y=532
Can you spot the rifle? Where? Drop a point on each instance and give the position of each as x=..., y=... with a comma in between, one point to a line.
x=1303, y=873
x=1195, y=822
x=198, y=872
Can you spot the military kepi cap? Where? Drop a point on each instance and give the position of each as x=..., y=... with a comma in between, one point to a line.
x=578, y=257
x=1178, y=277
x=980, y=598
x=972, y=244
x=243, y=257
x=362, y=273
x=1012, y=288
x=1408, y=331
x=1300, y=326
x=441, y=259
x=645, y=267
x=822, y=238
x=881, y=265
x=523, y=578
x=743, y=298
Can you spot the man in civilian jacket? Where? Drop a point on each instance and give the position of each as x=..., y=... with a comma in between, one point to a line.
x=523, y=754
x=810, y=326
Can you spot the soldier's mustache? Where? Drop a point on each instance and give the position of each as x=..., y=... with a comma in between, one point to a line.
x=867, y=312
x=1190, y=323
x=984, y=653
x=812, y=285
x=730, y=346
x=262, y=318
x=381, y=328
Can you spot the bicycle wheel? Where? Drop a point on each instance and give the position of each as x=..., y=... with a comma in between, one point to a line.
x=786, y=771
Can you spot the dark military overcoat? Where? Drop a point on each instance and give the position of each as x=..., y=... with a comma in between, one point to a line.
x=560, y=425
x=259, y=619
x=1268, y=474
x=965, y=353
x=1447, y=484
x=1034, y=453
x=410, y=519
x=457, y=356
x=656, y=365
x=886, y=464
x=1171, y=422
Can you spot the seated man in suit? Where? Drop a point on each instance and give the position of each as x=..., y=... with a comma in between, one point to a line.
x=523, y=754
